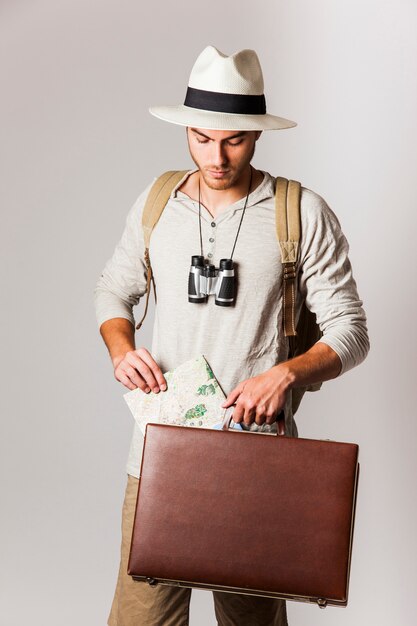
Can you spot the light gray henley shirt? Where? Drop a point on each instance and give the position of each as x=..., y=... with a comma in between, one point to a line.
x=247, y=339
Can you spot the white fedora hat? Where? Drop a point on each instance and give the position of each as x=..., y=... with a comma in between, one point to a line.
x=224, y=93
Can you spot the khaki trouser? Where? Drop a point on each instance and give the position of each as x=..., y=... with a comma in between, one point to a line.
x=136, y=603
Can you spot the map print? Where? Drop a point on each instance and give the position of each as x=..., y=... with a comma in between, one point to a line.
x=193, y=398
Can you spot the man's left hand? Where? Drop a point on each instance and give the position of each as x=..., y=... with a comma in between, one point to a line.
x=261, y=398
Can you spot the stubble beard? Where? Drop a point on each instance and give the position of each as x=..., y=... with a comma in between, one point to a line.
x=231, y=178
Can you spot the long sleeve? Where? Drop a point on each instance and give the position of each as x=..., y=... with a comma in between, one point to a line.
x=123, y=280
x=327, y=283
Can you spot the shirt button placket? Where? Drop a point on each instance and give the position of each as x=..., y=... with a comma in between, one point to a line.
x=212, y=241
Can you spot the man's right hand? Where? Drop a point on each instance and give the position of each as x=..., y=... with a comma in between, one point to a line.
x=137, y=368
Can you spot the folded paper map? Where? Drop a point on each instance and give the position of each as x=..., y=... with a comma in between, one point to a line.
x=193, y=398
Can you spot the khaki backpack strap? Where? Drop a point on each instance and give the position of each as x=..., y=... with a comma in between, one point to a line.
x=157, y=199
x=155, y=203
x=288, y=225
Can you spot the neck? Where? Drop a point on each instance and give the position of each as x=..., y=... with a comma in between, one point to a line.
x=215, y=200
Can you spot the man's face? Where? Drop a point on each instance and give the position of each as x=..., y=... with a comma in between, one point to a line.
x=221, y=155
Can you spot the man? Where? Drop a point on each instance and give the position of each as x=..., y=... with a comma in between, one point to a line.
x=224, y=207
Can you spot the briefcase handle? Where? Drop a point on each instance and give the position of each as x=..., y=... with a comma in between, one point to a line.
x=228, y=415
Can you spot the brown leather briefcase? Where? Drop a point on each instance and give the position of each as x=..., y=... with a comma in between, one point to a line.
x=245, y=512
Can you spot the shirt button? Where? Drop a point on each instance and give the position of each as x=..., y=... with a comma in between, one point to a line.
x=211, y=239
x=209, y=255
x=213, y=224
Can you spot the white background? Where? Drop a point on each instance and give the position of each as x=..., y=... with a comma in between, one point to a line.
x=78, y=146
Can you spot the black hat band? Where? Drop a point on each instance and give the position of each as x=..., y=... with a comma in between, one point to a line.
x=225, y=102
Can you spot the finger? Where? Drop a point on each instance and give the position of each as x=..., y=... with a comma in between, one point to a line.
x=260, y=416
x=143, y=369
x=147, y=358
x=238, y=414
x=125, y=380
x=249, y=415
x=137, y=380
x=271, y=419
x=150, y=361
x=122, y=377
x=233, y=396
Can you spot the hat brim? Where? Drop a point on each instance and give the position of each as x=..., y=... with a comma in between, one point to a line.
x=213, y=120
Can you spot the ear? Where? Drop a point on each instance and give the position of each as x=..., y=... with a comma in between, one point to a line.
x=258, y=134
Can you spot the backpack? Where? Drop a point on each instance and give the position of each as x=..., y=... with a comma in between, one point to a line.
x=288, y=226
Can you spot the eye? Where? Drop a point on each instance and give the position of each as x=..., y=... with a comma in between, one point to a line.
x=236, y=143
x=199, y=141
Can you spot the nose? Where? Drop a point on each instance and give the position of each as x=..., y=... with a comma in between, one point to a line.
x=219, y=157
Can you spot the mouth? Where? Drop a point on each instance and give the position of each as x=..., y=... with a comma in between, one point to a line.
x=218, y=174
